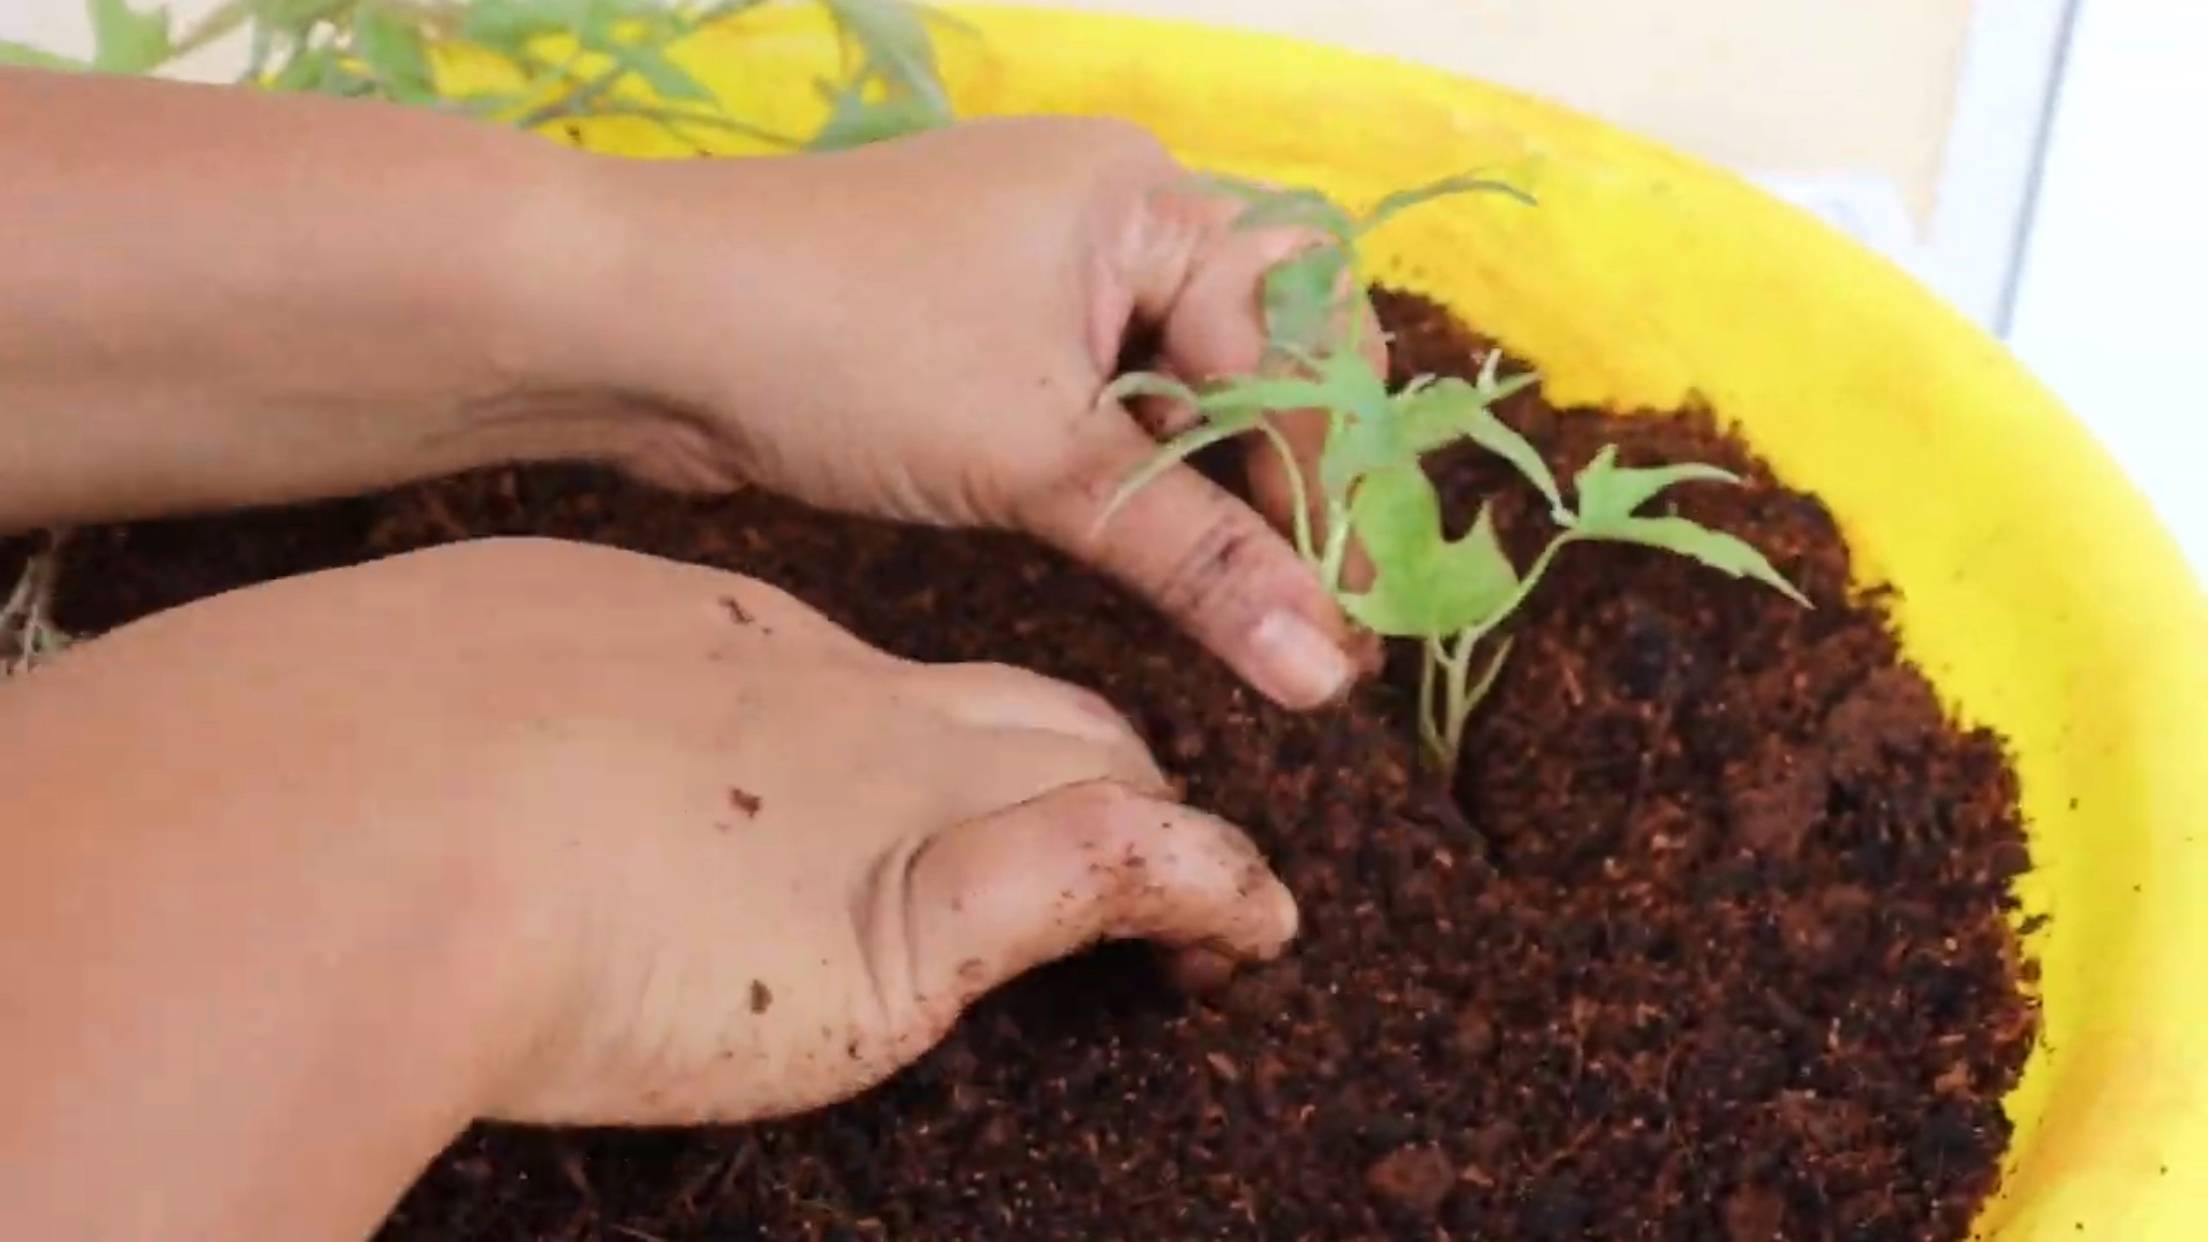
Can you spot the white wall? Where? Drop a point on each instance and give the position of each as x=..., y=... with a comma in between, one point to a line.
x=2111, y=307
x=1778, y=86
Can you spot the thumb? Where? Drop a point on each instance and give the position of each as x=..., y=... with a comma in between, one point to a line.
x=997, y=896
x=1206, y=560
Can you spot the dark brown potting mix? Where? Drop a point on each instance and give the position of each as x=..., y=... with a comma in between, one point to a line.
x=1713, y=940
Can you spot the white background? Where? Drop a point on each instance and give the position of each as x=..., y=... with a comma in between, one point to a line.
x=2040, y=162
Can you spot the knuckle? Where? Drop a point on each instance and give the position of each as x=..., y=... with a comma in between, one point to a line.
x=885, y=919
x=1100, y=812
x=1105, y=818
x=1212, y=577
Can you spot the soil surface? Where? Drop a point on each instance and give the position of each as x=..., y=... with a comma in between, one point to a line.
x=1713, y=941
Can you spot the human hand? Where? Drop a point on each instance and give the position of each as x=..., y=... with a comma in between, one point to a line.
x=922, y=330
x=657, y=843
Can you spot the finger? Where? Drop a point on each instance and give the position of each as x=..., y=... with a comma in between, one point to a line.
x=1001, y=696
x=1163, y=417
x=1206, y=560
x=1212, y=321
x=997, y=896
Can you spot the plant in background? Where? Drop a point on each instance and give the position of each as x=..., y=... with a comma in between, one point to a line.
x=573, y=59
x=1450, y=595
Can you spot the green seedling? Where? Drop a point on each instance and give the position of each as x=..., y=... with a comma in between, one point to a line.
x=1449, y=595
x=380, y=49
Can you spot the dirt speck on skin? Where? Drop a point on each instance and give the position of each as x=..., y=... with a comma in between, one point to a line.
x=735, y=610
x=744, y=801
x=761, y=996
x=1643, y=973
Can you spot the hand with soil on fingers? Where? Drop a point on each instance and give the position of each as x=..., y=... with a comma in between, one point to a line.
x=530, y=831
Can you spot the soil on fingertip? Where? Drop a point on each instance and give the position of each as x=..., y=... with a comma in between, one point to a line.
x=1712, y=939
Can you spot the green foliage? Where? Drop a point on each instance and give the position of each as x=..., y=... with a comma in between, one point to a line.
x=24, y=56
x=1307, y=296
x=1609, y=494
x=1433, y=584
x=124, y=41
x=1449, y=594
x=893, y=84
x=381, y=49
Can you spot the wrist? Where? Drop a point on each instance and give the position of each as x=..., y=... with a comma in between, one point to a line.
x=594, y=329
x=532, y=291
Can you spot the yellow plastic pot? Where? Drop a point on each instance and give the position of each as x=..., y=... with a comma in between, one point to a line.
x=2036, y=587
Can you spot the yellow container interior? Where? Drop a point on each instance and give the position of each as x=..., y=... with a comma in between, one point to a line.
x=2036, y=587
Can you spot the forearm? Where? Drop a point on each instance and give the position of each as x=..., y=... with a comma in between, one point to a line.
x=216, y=297
x=239, y=1008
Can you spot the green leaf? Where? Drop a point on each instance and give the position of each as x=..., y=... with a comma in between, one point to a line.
x=392, y=49
x=1170, y=454
x=311, y=69
x=1403, y=200
x=1424, y=586
x=1263, y=394
x=1303, y=299
x=1691, y=539
x=1369, y=435
x=894, y=46
x=24, y=56
x=125, y=40
x=854, y=120
x=1357, y=449
x=506, y=25
x=667, y=79
x=1609, y=492
x=1451, y=408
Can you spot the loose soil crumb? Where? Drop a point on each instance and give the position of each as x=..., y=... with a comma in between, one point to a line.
x=1711, y=940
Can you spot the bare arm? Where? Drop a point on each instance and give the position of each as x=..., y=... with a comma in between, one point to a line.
x=214, y=297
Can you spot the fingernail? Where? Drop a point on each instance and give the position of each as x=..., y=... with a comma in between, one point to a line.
x=1301, y=666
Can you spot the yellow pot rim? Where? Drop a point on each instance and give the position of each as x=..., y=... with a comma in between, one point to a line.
x=2036, y=587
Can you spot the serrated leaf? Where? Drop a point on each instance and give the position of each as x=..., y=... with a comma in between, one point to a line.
x=1424, y=586
x=1691, y=539
x=1608, y=492
x=125, y=40
x=1467, y=183
x=24, y=56
x=1452, y=408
